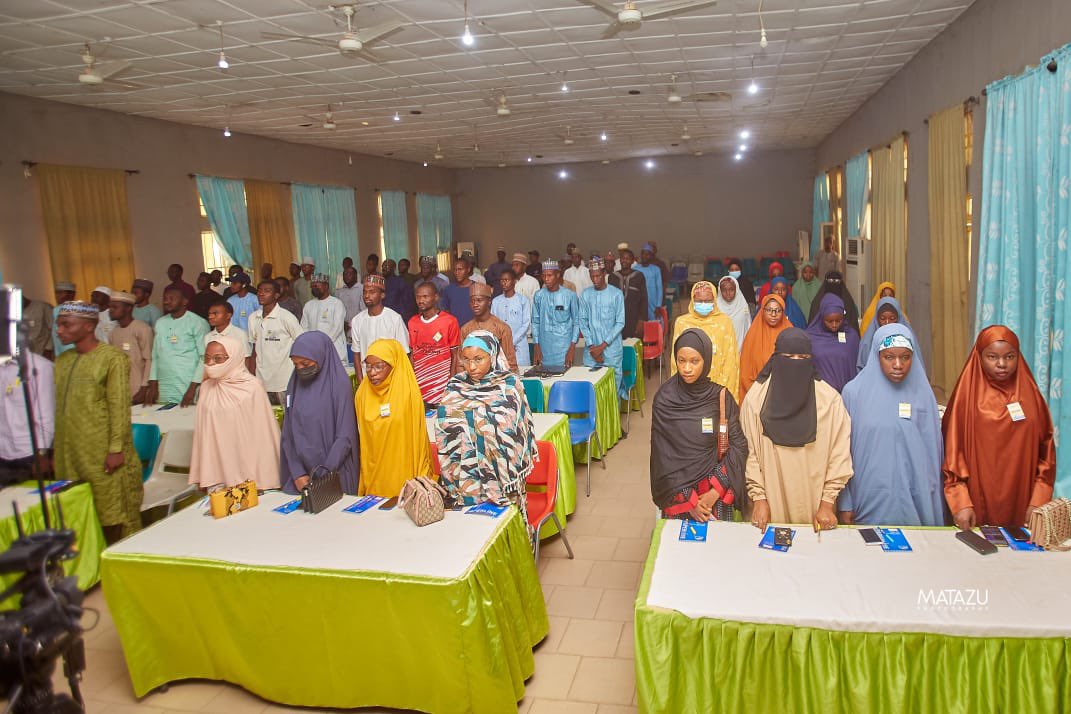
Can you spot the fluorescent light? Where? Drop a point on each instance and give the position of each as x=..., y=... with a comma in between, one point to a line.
x=226, y=131
x=745, y=134
x=603, y=137
x=753, y=88
x=649, y=163
x=563, y=174
x=467, y=39
x=223, y=63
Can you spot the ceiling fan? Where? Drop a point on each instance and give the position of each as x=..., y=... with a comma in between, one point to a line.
x=567, y=137
x=328, y=120
x=628, y=17
x=673, y=96
x=352, y=42
x=93, y=75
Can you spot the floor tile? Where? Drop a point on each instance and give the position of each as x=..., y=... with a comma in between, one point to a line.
x=598, y=638
x=572, y=601
x=604, y=680
x=553, y=676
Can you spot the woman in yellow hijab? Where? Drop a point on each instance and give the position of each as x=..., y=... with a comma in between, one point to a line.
x=390, y=421
x=884, y=290
x=703, y=314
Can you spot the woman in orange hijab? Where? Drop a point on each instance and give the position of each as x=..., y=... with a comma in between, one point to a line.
x=769, y=322
x=1000, y=459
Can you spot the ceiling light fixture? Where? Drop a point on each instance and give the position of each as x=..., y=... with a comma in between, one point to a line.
x=745, y=134
x=563, y=174
x=753, y=88
x=397, y=116
x=222, y=63
x=529, y=159
x=226, y=131
x=762, y=29
x=565, y=84
x=603, y=137
x=467, y=39
x=438, y=153
x=742, y=148
x=685, y=136
x=738, y=157
x=649, y=164
x=425, y=164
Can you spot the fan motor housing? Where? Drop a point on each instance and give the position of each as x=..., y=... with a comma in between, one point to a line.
x=350, y=44
x=629, y=16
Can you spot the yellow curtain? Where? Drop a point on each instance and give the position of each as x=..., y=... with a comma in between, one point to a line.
x=271, y=225
x=88, y=227
x=949, y=257
x=889, y=217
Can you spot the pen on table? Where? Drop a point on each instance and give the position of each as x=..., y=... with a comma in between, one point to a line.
x=818, y=529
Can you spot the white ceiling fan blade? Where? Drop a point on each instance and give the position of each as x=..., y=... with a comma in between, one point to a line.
x=299, y=38
x=371, y=34
x=111, y=69
x=658, y=10
x=612, y=29
x=605, y=5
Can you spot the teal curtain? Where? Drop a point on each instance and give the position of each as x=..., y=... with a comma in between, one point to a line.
x=224, y=201
x=325, y=224
x=427, y=236
x=1026, y=216
x=444, y=224
x=819, y=212
x=395, y=225
x=855, y=192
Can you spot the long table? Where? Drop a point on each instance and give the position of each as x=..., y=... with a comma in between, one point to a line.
x=333, y=610
x=78, y=515
x=838, y=626
x=607, y=404
x=555, y=429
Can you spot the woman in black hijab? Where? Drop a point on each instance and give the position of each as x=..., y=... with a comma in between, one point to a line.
x=834, y=283
x=688, y=479
x=747, y=289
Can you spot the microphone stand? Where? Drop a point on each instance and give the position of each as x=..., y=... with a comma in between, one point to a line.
x=22, y=355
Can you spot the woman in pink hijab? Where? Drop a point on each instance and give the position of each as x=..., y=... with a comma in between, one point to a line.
x=237, y=437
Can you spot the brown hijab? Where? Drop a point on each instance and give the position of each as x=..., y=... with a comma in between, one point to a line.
x=992, y=464
x=759, y=343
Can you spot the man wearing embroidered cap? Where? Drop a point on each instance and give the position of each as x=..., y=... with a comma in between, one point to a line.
x=134, y=339
x=602, y=318
x=526, y=284
x=429, y=272
x=482, y=319
x=64, y=293
x=143, y=309
x=326, y=313
x=94, y=441
x=301, y=286
x=555, y=320
x=377, y=322
x=102, y=298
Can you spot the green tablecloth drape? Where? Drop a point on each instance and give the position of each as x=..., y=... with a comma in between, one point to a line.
x=330, y=638
x=710, y=665
x=559, y=436
x=78, y=515
x=608, y=416
x=639, y=393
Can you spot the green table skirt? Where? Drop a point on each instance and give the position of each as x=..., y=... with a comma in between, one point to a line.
x=608, y=417
x=335, y=638
x=566, y=505
x=639, y=393
x=78, y=515
x=709, y=665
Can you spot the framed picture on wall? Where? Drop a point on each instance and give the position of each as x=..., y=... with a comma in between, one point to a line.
x=829, y=230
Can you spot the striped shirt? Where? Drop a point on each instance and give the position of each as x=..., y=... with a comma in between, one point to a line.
x=431, y=342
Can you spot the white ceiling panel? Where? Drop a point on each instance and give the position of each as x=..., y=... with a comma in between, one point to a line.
x=823, y=59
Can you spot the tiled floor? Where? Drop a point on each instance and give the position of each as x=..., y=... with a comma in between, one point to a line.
x=585, y=664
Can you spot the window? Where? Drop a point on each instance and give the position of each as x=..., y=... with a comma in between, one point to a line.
x=215, y=257
x=968, y=145
x=835, y=176
x=382, y=250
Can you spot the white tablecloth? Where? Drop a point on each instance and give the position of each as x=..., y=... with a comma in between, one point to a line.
x=842, y=584
x=576, y=374
x=377, y=541
x=24, y=497
x=174, y=419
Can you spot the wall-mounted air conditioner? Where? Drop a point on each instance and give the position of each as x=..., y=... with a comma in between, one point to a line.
x=857, y=268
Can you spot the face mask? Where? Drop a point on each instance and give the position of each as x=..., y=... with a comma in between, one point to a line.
x=215, y=371
x=734, y=274
x=307, y=373
x=704, y=308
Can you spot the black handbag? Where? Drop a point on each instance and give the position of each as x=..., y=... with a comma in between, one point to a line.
x=323, y=489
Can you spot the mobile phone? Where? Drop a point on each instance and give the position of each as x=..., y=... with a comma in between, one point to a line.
x=782, y=536
x=1017, y=534
x=389, y=504
x=166, y=407
x=976, y=542
x=457, y=506
x=994, y=536
x=870, y=536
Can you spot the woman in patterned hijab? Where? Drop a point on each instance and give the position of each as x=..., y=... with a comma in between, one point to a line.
x=483, y=429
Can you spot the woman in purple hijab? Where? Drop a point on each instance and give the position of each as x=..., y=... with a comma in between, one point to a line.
x=320, y=427
x=834, y=343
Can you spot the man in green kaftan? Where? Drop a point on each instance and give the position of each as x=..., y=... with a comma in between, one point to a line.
x=93, y=441
x=177, y=352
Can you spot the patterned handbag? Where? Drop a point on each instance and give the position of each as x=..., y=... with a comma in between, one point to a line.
x=423, y=500
x=225, y=500
x=323, y=489
x=1050, y=525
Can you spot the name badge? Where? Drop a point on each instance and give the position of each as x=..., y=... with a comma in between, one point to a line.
x=842, y=338
x=173, y=339
x=1015, y=410
x=244, y=313
x=32, y=323
x=126, y=347
x=384, y=410
x=437, y=336
x=288, y=401
x=905, y=410
x=560, y=307
x=708, y=426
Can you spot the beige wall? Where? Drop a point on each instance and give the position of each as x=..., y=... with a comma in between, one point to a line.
x=693, y=206
x=992, y=39
x=162, y=198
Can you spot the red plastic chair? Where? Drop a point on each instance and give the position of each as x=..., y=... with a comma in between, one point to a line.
x=433, y=448
x=654, y=345
x=541, y=503
x=662, y=315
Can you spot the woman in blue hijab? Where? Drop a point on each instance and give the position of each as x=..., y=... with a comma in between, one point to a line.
x=896, y=441
x=887, y=311
x=320, y=427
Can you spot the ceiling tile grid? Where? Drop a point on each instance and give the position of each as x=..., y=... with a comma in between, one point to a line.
x=419, y=90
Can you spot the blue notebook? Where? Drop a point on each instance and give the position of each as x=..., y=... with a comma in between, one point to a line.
x=487, y=509
x=54, y=487
x=288, y=507
x=363, y=504
x=693, y=530
x=767, y=541
x=893, y=540
x=1019, y=546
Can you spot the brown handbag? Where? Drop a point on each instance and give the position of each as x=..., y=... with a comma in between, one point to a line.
x=1050, y=525
x=423, y=500
x=225, y=500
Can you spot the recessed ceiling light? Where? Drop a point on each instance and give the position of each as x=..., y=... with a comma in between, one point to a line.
x=364, y=123
x=603, y=137
x=697, y=153
x=529, y=159
x=226, y=131
x=745, y=134
x=425, y=164
x=563, y=174
x=742, y=148
x=649, y=163
x=738, y=157
x=753, y=88
x=606, y=161
x=397, y=116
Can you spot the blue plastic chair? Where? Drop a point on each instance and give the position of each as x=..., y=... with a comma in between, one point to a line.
x=750, y=269
x=578, y=398
x=628, y=382
x=146, y=443
x=533, y=392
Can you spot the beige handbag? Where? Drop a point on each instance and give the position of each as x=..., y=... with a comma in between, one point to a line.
x=422, y=499
x=1050, y=525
